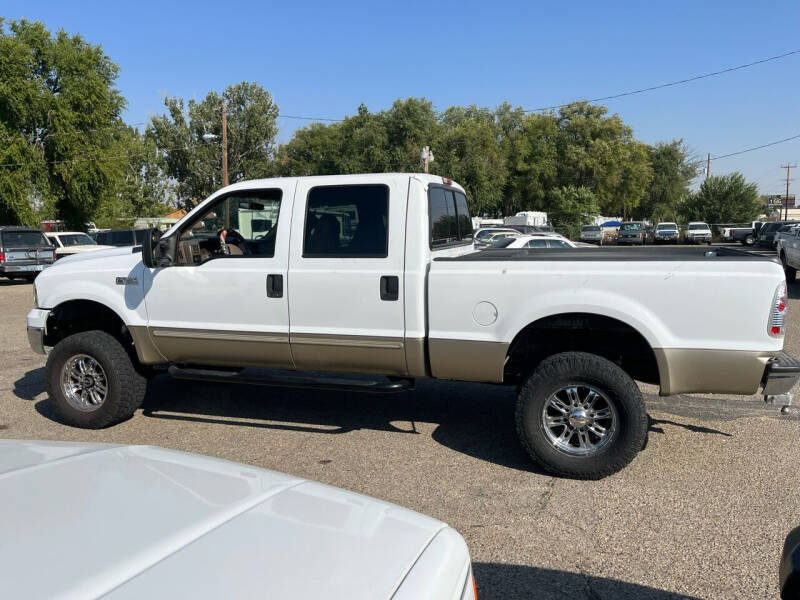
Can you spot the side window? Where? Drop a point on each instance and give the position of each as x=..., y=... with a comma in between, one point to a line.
x=537, y=244
x=450, y=220
x=347, y=221
x=250, y=219
x=120, y=238
x=559, y=244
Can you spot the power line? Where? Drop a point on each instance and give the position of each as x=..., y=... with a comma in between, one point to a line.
x=309, y=118
x=794, y=137
x=672, y=83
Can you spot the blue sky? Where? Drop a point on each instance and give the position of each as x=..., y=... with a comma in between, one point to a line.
x=324, y=58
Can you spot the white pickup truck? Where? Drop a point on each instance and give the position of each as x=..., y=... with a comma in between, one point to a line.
x=376, y=274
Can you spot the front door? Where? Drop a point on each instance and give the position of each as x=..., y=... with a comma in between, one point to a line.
x=224, y=301
x=346, y=273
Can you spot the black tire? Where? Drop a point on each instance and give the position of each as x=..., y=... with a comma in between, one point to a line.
x=581, y=368
x=125, y=386
x=29, y=277
x=791, y=274
x=749, y=240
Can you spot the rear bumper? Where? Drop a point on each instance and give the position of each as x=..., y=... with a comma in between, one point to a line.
x=780, y=375
x=37, y=329
x=6, y=268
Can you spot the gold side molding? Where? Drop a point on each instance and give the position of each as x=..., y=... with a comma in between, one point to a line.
x=689, y=370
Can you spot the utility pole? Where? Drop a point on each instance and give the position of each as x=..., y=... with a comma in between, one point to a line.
x=224, y=144
x=787, y=166
x=708, y=164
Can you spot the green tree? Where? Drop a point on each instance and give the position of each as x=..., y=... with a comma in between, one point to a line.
x=466, y=150
x=570, y=207
x=59, y=120
x=723, y=199
x=196, y=163
x=673, y=171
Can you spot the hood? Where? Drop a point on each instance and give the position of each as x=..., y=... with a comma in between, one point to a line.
x=141, y=521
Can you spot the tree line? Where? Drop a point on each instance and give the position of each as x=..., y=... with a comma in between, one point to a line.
x=66, y=153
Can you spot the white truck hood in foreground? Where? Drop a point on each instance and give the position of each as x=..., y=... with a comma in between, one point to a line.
x=91, y=520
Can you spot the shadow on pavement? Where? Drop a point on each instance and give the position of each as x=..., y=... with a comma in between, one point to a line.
x=30, y=385
x=474, y=419
x=10, y=282
x=498, y=581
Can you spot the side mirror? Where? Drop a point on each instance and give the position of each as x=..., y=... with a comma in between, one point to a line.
x=789, y=572
x=150, y=249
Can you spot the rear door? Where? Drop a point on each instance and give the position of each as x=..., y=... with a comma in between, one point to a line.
x=346, y=308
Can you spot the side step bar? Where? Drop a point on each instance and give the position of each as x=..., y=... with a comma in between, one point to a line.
x=296, y=381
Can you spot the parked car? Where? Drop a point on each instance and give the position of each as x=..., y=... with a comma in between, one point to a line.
x=592, y=234
x=121, y=237
x=495, y=237
x=161, y=523
x=697, y=232
x=789, y=570
x=384, y=282
x=789, y=253
x=24, y=252
x=785, y=231
x=481, y=236
x=631, y=232
x=536, y=241
x=747, y=236
x=766, y=236
x=68, y=243
x=666, y=233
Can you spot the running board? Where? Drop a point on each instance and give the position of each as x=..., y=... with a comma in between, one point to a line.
x=296, y=381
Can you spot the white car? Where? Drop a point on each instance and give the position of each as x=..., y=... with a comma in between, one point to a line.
x=68, y=243
x=122, y=522
x=379, y=275
x=538, y=241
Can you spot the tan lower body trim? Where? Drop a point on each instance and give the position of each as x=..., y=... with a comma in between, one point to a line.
x=145, y=348
x=683, y=371
x=467, y=360
x=362, y=354
x=223, y=348
x=415, y=357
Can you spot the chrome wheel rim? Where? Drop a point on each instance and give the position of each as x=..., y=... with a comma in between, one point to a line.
x=579, y=420
x=84, y=383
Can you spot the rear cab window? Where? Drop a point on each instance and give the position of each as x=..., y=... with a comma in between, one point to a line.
x=347, y=221
x=450, y=220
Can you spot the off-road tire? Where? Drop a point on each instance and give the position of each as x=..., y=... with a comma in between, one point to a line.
x=791, y=273
x=126, y=387
x=577, y=368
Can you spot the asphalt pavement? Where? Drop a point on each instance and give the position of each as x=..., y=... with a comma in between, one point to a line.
x=701, y=512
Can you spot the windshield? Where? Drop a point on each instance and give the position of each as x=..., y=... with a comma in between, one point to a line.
x=591, y=228
x=662, y=226
x=696, y=226
x=631, y=226
x=24, y=238
x=76, y=239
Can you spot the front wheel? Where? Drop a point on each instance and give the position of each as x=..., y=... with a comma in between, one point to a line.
x=749, y=240
x=92, y=382
x=580, y=415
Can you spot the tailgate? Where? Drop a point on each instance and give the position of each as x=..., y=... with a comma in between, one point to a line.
x=29, y=255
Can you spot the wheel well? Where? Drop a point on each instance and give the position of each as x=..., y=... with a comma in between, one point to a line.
x=76, y=316
x=597, y=334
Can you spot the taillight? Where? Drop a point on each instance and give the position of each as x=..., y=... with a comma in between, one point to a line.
x=2, y=257
x=777, y=317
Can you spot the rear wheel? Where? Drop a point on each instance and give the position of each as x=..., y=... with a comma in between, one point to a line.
x=92, y=382
x=749, y=240
x=580, y=415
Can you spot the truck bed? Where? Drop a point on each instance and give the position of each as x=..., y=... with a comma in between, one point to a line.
x=653, y=253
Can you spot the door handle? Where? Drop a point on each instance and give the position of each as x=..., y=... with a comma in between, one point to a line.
x=274, y=286
x=390, y=287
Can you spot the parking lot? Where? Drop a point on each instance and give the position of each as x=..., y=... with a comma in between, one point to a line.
x=702, y=512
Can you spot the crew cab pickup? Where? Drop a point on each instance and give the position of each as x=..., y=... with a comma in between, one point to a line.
x=338, y=277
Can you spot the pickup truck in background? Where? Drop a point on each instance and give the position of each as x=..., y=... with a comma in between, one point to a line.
x=24, y=252
x=697, y=232
x=376, y=275
x=747, y=236
x=767, y=235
